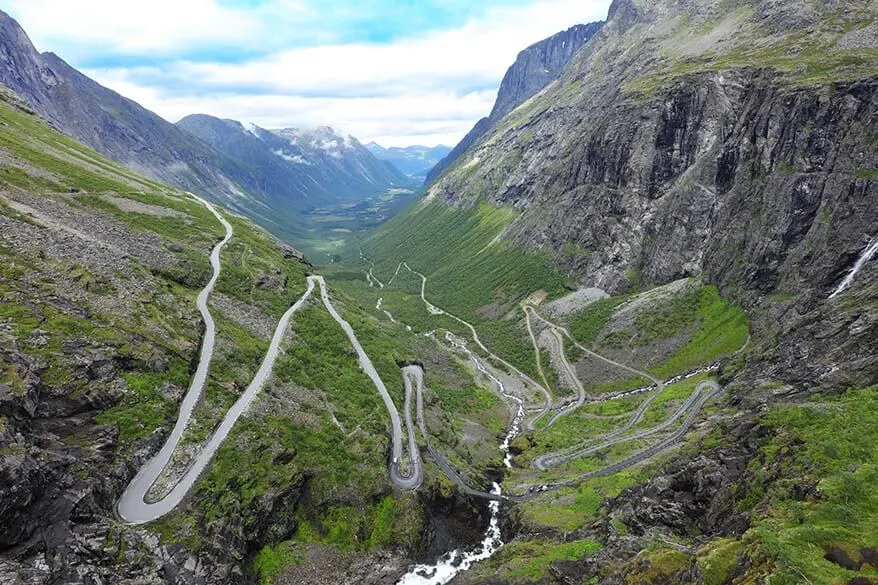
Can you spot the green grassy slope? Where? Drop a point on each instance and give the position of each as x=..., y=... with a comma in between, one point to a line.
x=470, y=273
x=312, y=449
x=458, y=251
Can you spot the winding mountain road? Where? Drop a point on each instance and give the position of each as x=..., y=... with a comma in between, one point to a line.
x=416, y=374
x=704, y=392
x=546, y=462
x=690, y=408
x=433, y=309
x=415, y=475
x=537, y=354
x=658, y=447
x=571, y=372
x=133, y=507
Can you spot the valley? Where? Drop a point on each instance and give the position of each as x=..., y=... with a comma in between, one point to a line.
x=626, y=332
x=332, y=229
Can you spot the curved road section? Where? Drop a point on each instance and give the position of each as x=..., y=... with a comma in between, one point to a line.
x=552, y=460
x=415, y=475
x=133, y=506
x=434, y=310
x=638, y=414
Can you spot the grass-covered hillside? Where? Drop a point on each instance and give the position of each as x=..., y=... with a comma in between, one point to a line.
x=99, y=337
x=688, y=194
x=471, y=273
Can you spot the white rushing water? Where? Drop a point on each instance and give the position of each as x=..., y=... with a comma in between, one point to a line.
x=451, y=564
x=515, y=427
x=454, y=562
x=867, y=255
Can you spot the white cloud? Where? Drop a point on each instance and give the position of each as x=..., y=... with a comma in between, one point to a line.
x=432, y=118
x=428, y=89
x=138, y=27
x=297, y=158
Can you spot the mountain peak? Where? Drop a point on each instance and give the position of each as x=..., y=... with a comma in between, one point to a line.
x=535, y=67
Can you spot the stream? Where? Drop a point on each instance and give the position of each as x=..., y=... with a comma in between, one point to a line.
x=449, y=565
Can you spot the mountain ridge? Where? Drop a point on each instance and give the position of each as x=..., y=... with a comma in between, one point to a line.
x=120, y=128
x=415, y=161
x=534, y=68
x=669, y=250
x=688, y=144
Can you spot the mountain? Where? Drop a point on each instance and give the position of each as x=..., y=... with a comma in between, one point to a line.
x=292, y=188
x=198, y=155
x=705, y=175
x=633, y=327
x=112, y=124
x=533, y=70
x=345, y=164
x=100, y=335
x=301, y=170
x=413, y=161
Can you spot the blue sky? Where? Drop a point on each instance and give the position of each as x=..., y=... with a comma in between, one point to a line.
x=396, y=71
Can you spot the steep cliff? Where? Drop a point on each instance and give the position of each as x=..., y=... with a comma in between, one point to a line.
x=688, y=140
x=534, y=69
x=724, y=144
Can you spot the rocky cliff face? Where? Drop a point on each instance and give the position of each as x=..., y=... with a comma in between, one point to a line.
x=533, y=70
x=539, y=65
x=673, y=148
x=735, y=143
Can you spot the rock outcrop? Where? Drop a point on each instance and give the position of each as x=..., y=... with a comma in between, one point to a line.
x=665, y=152
x=533, y=70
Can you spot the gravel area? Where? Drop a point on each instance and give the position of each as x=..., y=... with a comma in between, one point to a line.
x=132, y=206
x=573, y=302
x=863, y=38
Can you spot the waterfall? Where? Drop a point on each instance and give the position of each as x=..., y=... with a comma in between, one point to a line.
x=867, y=255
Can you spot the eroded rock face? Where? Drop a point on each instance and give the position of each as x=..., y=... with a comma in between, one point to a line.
x=629, y=173
x=534, y=69
x=723, y=173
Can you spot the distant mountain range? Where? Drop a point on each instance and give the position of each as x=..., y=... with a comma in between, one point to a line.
x=320, y=165
x=271, y=177
x=414, y=161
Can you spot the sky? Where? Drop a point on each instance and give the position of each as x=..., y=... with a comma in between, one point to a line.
x=399, y=72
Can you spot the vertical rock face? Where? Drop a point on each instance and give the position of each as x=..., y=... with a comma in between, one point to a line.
x=536, y=67
x=539, y=65
x=22, y=70
x=689, y=139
